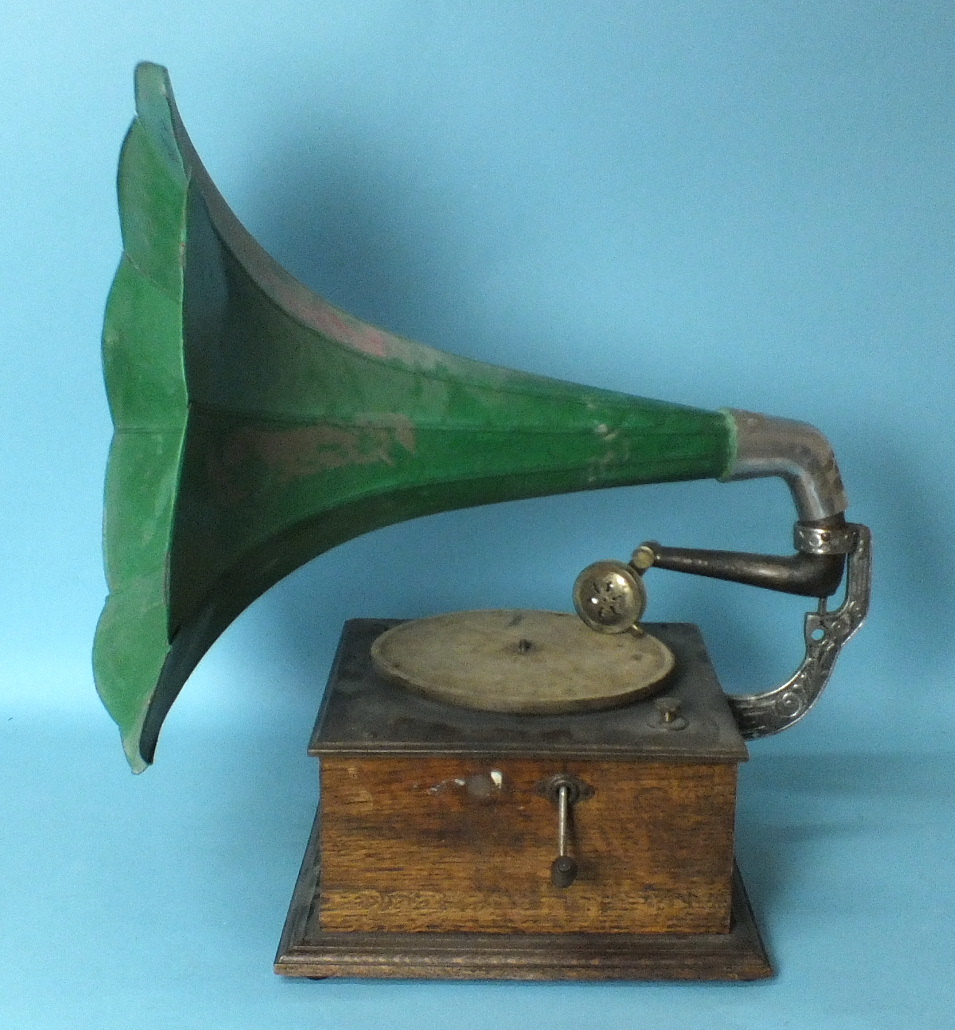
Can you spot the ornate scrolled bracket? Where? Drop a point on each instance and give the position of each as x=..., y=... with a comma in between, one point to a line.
x=759, y=715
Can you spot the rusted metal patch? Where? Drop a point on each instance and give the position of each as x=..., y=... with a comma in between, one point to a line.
x=251, y=456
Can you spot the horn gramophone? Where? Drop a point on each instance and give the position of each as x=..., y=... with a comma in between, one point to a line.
x=504, y=793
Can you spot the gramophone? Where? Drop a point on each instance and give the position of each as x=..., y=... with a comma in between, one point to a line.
x=504, y=794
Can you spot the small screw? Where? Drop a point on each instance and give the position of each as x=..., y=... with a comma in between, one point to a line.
x=669, y=708
x=644, y=556
x=668, y=713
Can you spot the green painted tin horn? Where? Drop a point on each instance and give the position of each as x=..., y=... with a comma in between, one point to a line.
x=257, y=426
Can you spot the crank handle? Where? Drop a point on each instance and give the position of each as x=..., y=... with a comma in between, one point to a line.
x=564, y=791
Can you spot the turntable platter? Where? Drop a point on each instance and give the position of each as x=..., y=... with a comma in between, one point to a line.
x=522, y=662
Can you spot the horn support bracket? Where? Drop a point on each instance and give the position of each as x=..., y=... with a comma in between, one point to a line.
x=825, y=547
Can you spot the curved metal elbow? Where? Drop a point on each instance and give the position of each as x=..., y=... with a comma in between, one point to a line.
x=795, y=451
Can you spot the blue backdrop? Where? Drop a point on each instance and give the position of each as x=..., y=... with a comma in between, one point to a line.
x=718, y=203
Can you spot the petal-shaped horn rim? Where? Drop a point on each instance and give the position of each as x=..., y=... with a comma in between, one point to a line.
x=146, y=386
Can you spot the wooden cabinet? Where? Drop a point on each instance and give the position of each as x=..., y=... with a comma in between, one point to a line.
x=436, y=833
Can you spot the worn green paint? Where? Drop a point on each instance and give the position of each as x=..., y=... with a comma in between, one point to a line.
x=258, y=426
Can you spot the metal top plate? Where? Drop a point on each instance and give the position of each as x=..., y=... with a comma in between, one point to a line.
x=525, y=662
x=365, y=713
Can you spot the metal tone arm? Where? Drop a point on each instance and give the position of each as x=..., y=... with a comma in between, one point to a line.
x=826, y=545
x=759, y=715
x=814, y=571
x=809, y=575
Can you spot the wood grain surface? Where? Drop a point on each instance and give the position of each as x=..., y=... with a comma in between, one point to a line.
x=465, y=844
